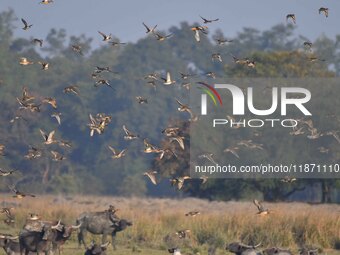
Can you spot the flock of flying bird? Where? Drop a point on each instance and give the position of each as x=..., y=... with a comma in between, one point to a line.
x=98, y=123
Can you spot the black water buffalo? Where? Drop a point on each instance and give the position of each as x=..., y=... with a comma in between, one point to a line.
x=276, y=251
x=96, y=249
x=100, y=223
x=10, y=246
x=242, y=249
x=62, y=234
x=44, y=239
x=305, y=251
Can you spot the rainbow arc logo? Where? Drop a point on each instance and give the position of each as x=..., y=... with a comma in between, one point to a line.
x=211, y=91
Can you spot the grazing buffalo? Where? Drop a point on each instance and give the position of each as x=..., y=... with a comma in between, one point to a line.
x=242, y=249
x=305, y=251
x=62, y=234
x=10, y=246
x=276, y=251
x=45, y=238
x=96, y=249
x=100, y=223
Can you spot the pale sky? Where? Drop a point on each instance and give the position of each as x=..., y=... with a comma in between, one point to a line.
x=124, y=18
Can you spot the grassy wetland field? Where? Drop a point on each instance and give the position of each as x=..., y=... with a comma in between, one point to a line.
x=155, y=222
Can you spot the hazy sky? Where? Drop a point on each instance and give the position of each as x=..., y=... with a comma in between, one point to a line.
x=124, y=18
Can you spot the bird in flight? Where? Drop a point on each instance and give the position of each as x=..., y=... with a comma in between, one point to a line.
x=333, y=133
x=57, y=115
x=129, y=135
x=19, y=194
x=291, y=17
x=288, y=179
x=197, y=31
x=315, y=59
x=77, y=48
x=179, y=181
x=205, y=21
x=56, y=156
x=71, y=89
x=297, y=131
x=152, y=176
x=114, y=43
x=25, y=62
x=171, y=131
x=211, y=75
x=50, y=100
x=6, y=173
x=168, y=80
x=233, y=150
x=261, y=209
x=186, y=85
x=161, y=38
x=65, y=143
x=208, y=156
x=7, y=211
x=149, y=148
x=186, y=76
x=221, y=41
x=216, y=56
x=26, y=25
x=250, y=144
x=33, y=153
x=100, y=69
x=193, y=213
x=179, y=140
x=308, y=45
x=203, y=29
x=323, y=149
x=324, y=10
x=186, y=108
x=44, y=65
x=48, y=139
x=152, y=83
x=38, y=41
x=117, y=154
x=152, y=76
x=141, y=100
x=17, y=117
x=148, y=29
x=106, y=37
x=46, y=2
x=103, y=82
x=2, y=150
x=98, y=123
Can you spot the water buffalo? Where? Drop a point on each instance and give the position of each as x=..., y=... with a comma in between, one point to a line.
x=242, y=249
x=100, y=223
x=96, y=249
x=62, y=234
x=305, y=251
x=10, y=246
x=44, y=237
x=276, y=251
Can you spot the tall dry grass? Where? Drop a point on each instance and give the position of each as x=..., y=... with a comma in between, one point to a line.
x=156, y=221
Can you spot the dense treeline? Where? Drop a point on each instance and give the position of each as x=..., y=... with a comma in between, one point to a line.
x=88, y=167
